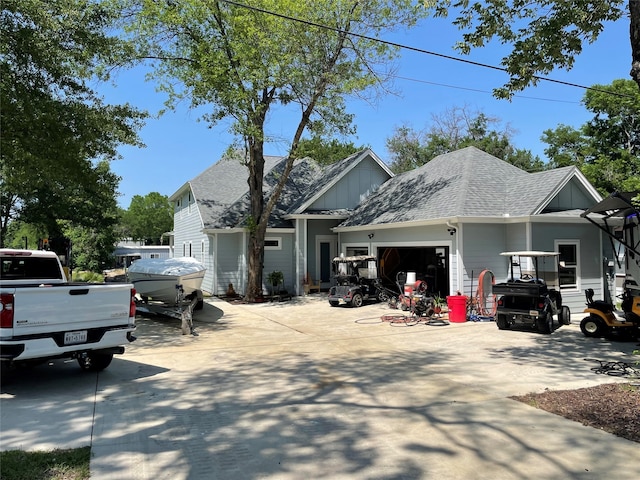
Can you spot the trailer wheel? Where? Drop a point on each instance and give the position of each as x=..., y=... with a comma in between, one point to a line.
x=544, y=324
x=593, y=326
x=356, y=300
x=95, y=361
x=502, y=323
x=564, y=316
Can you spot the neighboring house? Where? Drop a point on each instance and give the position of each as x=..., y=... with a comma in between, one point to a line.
x=127, y=251
x=211, y=218
x=447, y=221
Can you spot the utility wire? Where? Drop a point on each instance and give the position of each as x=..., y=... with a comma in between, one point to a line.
x=414, y=49
x=479, y=91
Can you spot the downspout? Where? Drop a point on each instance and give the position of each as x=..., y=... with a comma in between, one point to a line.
x=459, y=284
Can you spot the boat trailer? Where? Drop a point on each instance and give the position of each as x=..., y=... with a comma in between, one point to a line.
x=181, y=310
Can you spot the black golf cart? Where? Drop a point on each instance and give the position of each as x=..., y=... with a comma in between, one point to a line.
x=525, y=300
x=356, y=281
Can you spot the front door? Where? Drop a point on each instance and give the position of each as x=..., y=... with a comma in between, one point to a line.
x=326, y=250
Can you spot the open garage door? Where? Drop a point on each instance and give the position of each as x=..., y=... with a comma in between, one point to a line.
x=430, y=264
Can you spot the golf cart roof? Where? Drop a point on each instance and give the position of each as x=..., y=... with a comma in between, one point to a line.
x=618, y=204
x=356, y=258
x=530, y=253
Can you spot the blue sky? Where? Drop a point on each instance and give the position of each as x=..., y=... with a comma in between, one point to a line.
x=179, y=147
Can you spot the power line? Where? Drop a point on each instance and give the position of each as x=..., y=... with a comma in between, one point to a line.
x=414, y=49
x=479, y=91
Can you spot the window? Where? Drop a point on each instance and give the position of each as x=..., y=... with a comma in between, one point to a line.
x=355, y=251
x=568, y=264
x=155, y=255
x=273, y=243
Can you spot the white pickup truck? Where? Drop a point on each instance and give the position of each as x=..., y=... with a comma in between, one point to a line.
x=43, y=316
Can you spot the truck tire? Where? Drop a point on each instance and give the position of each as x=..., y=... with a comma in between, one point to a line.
x=544, y=323
x=356, y=300
x=592, y=326
x=502, y=323
x=564, y=316
x=95, y=361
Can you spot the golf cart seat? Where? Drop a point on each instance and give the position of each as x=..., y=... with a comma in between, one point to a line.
x=599, y=304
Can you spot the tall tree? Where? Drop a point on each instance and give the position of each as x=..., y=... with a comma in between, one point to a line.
x=148, y=218
x=241, y=61
x=544, y=34
x=607, y=147
x=326, y=152
x=53, y=125
x=456, y=128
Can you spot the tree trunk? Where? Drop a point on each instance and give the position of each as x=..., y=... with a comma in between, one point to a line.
x=634, y=30
x=257, y=227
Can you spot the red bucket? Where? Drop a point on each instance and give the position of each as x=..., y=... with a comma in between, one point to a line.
x=457, y=305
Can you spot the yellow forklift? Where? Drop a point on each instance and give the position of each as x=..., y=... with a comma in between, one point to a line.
x=619, y=218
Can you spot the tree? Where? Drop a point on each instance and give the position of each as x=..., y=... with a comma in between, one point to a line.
x=606, y=148
x=544, y=34
x=241, y=61
x=54, y=128
x=148, y=218
x=456, y=128
x=326, y=152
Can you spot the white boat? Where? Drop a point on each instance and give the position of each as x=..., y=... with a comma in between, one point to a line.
x=158, y=278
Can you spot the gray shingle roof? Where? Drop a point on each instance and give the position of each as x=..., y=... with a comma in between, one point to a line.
x=222, y=192
x=222, y=184
x=464, y=183
x=304, y=174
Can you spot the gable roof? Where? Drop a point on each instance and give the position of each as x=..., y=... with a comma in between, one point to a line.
x=222, y=192
x=464, y=183
x=222, y=184
x=331, y=174
x=301, y=179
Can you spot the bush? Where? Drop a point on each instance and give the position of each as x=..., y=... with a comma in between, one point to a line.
x=87, y=277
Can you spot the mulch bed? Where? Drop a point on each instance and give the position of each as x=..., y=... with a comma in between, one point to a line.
x=614, y=407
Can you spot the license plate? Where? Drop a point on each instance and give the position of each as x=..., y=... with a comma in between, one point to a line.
x=533, y=313
x=71, y=338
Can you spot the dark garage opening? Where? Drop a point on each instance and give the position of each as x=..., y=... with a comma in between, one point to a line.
x=429, y=263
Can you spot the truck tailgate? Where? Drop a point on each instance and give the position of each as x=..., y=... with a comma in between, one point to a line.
x=69, y=306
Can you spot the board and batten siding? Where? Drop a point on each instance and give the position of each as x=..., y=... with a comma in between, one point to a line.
x=280, y=259
x=353, y=188
x=231, y=260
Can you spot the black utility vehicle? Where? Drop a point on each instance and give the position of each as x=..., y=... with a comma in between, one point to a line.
x=356, y=280
x=525, y=300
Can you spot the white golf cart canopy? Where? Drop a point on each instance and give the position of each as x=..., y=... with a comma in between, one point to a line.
x=530, y=253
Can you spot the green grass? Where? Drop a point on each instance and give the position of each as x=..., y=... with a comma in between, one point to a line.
x=71, y=464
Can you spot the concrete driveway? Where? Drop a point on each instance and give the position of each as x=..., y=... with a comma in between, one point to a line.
x=301, y=390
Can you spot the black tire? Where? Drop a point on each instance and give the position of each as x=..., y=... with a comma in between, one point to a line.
x=357, y=300
x=382, y=296
x=592, y=326
x=501, y=321
x=95, y=361
x=544, y=323
x=334, y=303
x=564, y=316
